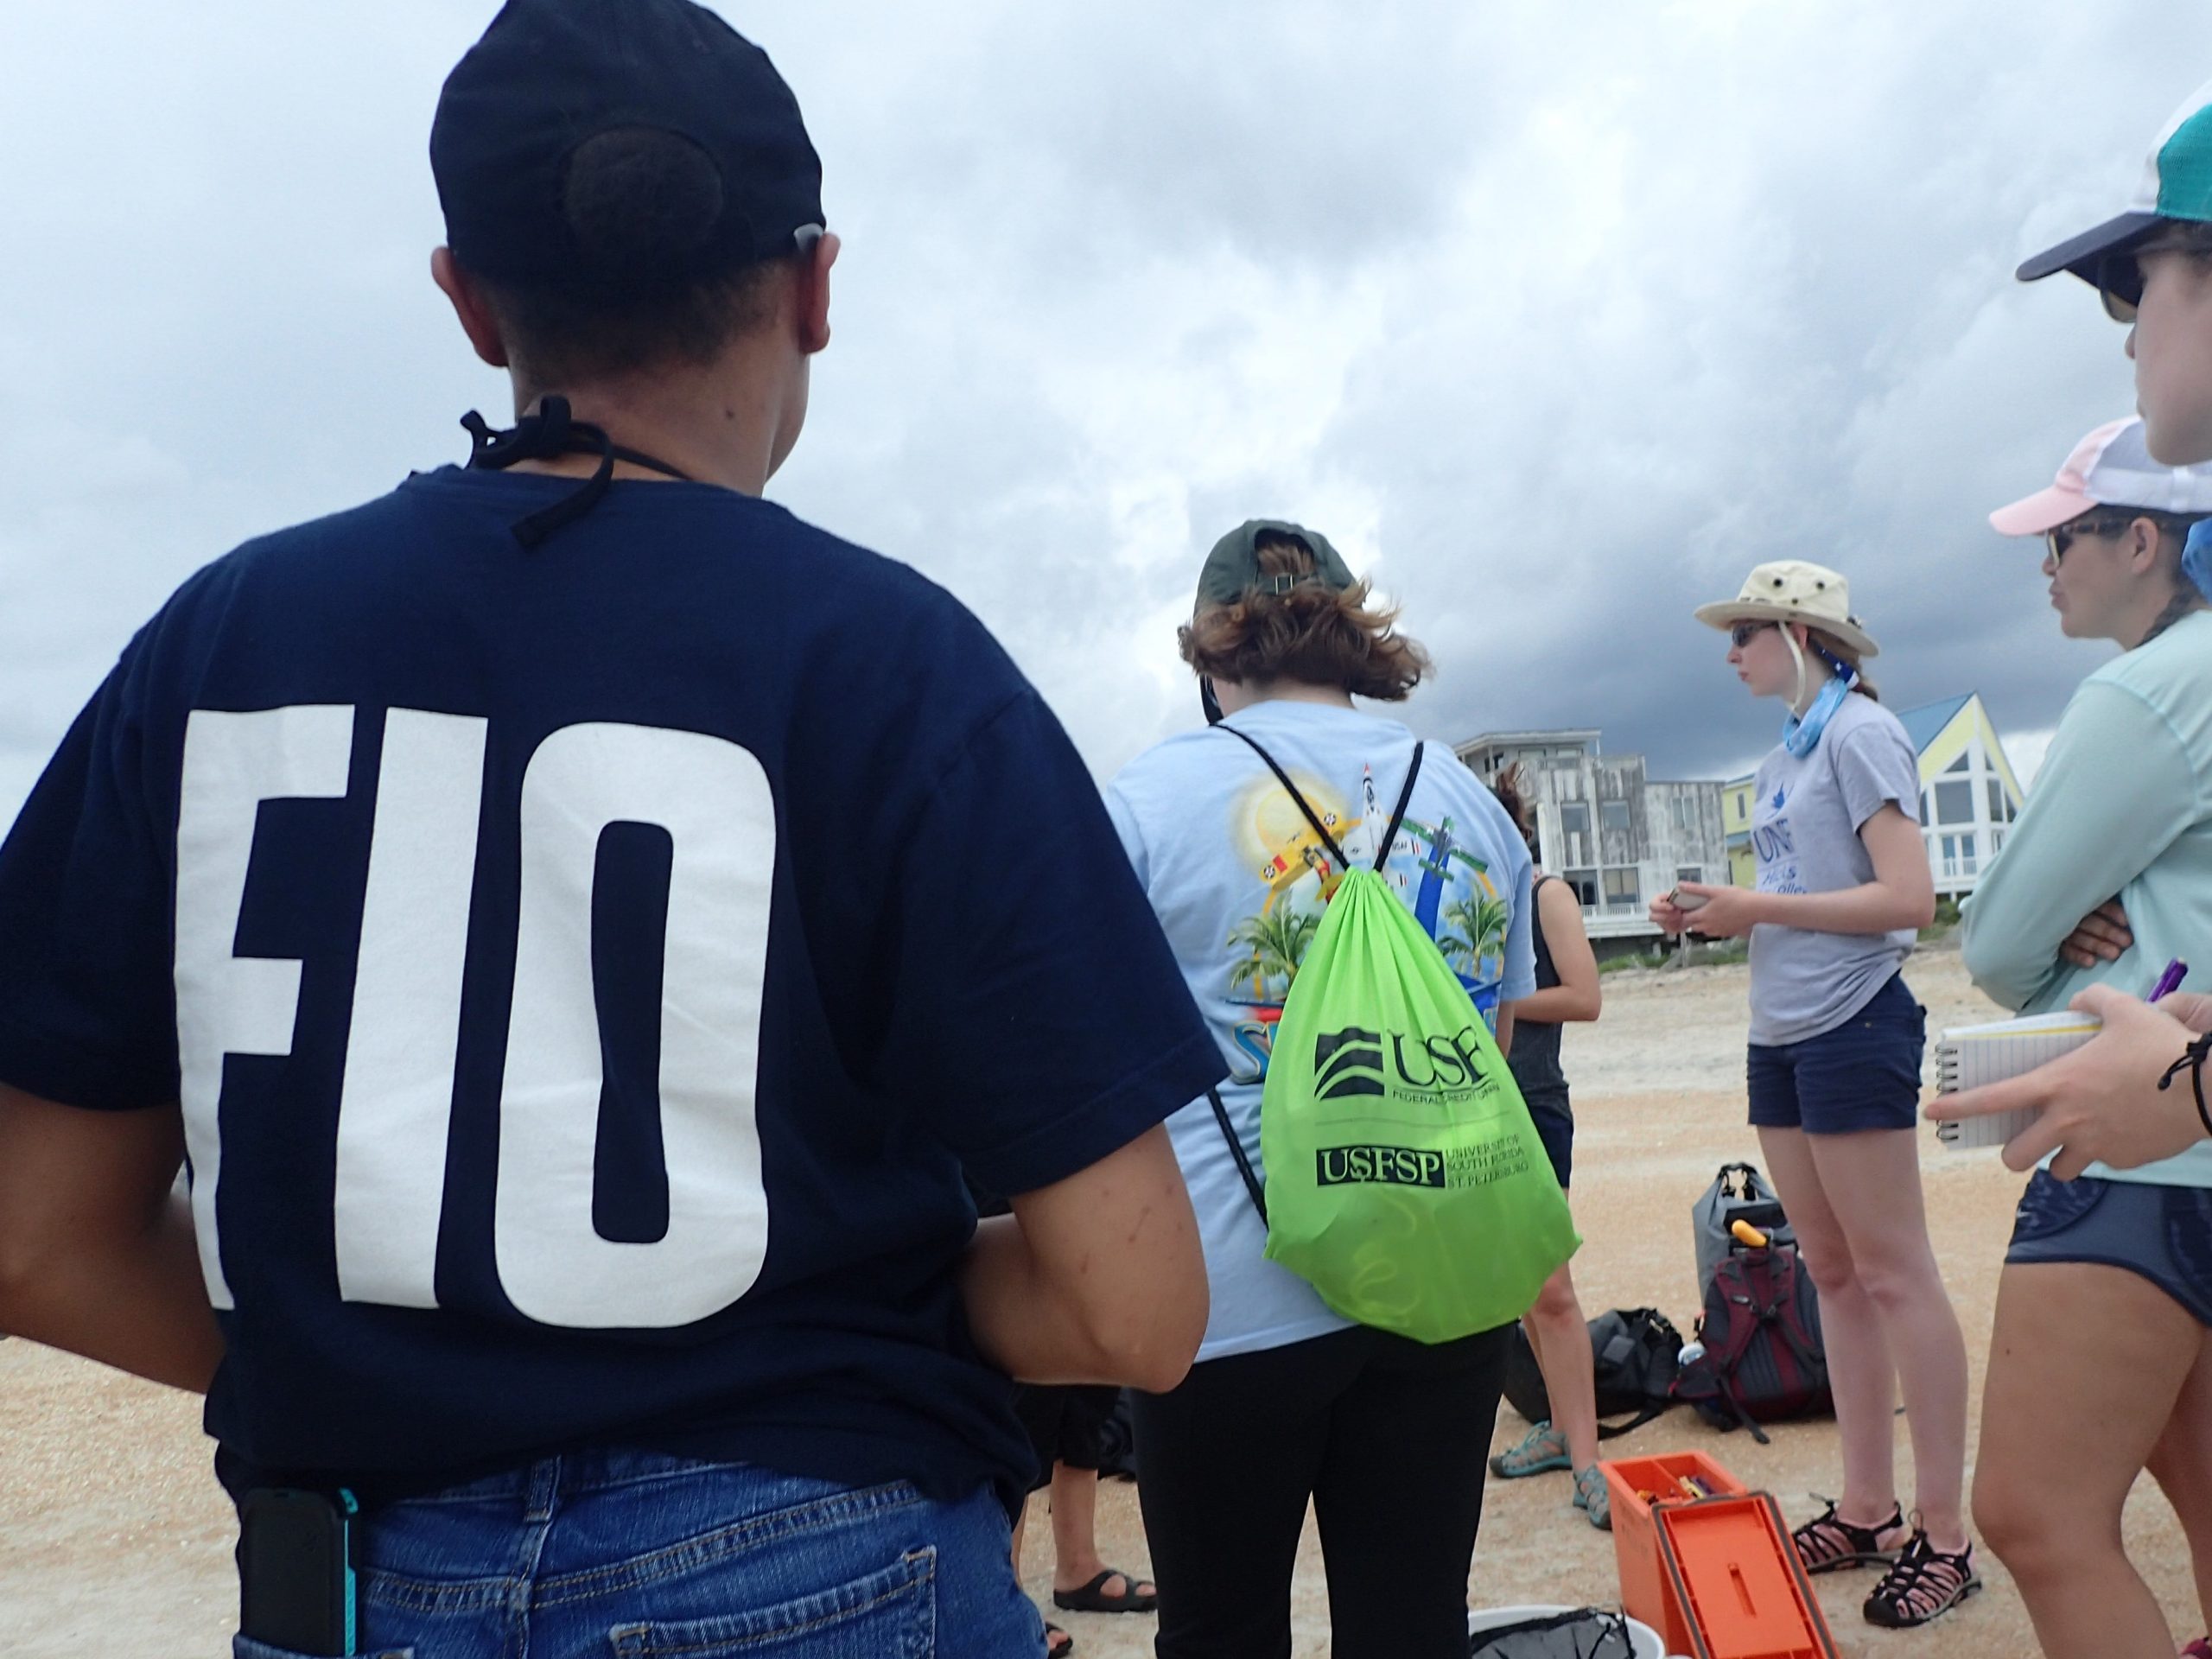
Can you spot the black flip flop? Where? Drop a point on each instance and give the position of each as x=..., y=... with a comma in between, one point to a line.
x=1064, y=1649
x=1092, y=1597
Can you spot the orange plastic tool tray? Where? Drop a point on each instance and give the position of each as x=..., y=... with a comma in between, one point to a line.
x=1732, y=1570
x=1644, y=1590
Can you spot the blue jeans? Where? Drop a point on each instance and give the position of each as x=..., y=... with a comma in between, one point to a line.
x=622, y=1555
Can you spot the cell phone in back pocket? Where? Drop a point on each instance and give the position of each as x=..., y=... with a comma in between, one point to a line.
x=296, y=1570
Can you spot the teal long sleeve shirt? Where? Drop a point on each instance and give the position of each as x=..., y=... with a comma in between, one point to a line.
x=2123, y=805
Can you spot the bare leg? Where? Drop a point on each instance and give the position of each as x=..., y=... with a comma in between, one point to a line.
x=2182, y=1464
x=1560, y=1337
x=1075, y=1535
x=1861, y=1371
x=2085, y=1369
x=1872, y=1180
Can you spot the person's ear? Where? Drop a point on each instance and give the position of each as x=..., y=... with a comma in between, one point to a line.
x=814, y=292
x=476, y=318
x=2143, y=546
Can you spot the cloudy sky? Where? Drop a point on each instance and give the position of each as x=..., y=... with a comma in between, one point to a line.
x=1556, y=319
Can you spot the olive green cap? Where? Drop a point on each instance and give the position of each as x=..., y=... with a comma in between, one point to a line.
x=1232, y=569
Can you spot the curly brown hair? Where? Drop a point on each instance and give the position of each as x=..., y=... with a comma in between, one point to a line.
x=1310, y=634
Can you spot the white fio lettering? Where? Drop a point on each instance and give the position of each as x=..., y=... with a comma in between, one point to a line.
x=228, y=1004
x=714, y=800
x=396, y=1102
x=711, y=797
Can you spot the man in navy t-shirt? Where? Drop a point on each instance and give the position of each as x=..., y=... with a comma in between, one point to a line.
x=576, y=922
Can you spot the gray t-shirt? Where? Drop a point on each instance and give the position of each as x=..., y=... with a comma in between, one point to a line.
x=1806, y=816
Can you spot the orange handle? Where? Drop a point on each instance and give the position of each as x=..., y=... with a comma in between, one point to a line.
x=1746, y=1234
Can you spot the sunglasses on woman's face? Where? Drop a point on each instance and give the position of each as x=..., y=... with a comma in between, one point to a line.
x=2120, y=279
x=2065, y=536
x=1744, y=633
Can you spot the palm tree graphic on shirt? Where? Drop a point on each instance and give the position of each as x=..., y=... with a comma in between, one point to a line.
x=1478, y=924
x=1276, y=942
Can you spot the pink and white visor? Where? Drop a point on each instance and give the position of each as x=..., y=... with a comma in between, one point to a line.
x=2111, y=467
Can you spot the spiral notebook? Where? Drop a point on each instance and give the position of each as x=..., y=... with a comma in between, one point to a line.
x=1968, y=1057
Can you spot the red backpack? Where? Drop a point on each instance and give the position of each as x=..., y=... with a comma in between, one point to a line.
x=1763, y=1359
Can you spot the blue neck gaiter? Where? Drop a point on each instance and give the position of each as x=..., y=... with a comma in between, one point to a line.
x=1801, y=737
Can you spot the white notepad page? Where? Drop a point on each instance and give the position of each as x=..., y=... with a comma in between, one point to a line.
x=1968, y=1057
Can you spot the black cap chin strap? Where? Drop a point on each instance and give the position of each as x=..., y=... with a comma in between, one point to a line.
x=553, y=431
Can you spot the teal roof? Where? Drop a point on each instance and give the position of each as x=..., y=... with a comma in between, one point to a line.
x=1925, y=724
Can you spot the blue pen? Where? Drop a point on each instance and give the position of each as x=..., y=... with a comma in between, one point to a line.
x=2177, y=971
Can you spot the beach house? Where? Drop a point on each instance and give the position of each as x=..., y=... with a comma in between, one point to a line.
x=1615, y=836
x=1969, y=795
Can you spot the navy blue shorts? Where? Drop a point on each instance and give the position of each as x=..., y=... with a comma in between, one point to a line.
x=2163, y=1233
x=1862, y=1075
x=1556, y=1128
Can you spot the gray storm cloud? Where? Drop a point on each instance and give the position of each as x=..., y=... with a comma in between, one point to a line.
x=1556, y=319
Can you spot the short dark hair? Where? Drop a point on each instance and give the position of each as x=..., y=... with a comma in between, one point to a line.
x=2189, y=235
x=2175, y=525
x=637, y=202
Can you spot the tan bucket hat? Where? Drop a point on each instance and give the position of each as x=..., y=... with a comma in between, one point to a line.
x=1794, y=590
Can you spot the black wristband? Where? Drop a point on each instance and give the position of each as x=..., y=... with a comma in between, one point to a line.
x=2193, y=1057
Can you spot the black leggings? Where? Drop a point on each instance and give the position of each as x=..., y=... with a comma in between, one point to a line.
x=1386, y=1436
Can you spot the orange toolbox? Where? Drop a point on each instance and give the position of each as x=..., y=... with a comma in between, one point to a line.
x=1637, y=1486
x=1732, y=1571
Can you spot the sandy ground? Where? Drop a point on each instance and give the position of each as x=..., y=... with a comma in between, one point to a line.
x=115, y=1542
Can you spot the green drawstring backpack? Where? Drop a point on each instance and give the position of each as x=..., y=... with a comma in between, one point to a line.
x=1405, y=1182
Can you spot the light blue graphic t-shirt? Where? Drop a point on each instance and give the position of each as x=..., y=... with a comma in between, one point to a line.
x=1240, y=880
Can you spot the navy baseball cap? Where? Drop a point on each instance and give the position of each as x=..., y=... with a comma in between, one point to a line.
x=2176, y=184
x=550, y=76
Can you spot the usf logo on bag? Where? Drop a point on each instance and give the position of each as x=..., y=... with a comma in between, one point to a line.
x=1405, y=1182
x=1349, y=1062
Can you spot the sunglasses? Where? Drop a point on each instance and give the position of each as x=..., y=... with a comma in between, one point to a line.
x=1744, y=633
x=2064, y=536
x=2120, y=279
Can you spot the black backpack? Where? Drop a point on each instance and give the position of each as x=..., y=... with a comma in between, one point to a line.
x=1633, y=1353
x=1763, y=1360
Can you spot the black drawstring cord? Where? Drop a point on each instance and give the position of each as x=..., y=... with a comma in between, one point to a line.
x=553, y=431
x=2193, y=1057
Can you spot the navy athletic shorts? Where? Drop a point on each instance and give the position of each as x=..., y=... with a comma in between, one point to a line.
x=1066, y=1423
x=1556, y=1128
x=2163, y=1233
x=1862, y=1075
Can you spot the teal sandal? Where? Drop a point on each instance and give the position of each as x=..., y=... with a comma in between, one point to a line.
x=1593, y=1499
x=1542, y=1449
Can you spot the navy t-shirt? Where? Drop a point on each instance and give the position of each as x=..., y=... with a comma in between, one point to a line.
x=586, y=972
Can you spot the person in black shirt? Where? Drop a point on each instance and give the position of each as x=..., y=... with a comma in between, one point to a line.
x=1567, y=988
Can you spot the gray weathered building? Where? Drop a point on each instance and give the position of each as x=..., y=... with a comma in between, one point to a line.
x=1603, y=826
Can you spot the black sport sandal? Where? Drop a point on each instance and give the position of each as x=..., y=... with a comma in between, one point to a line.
x=1827, y=1543
x=1925, y=1584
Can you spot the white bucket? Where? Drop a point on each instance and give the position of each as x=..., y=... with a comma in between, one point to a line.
x=1480, y=1620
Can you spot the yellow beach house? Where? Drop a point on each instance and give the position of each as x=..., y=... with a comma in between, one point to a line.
x=1968, y=795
